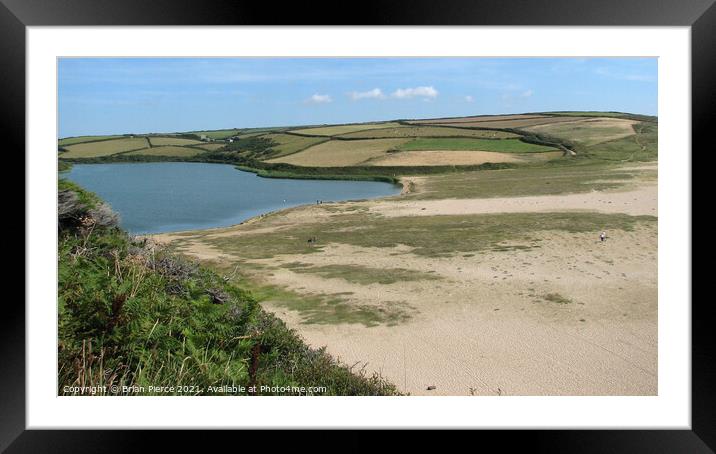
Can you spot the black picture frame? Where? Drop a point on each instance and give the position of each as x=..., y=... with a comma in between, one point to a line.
x=700, y=15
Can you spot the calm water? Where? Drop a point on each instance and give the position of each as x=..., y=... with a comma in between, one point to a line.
x=172, y=196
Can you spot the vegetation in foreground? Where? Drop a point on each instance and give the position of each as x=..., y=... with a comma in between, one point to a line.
x=132, y=316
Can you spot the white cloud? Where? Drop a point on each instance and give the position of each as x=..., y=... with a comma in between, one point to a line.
x=527, y=93
x=422, y=92
x=375, y=93
x=469, y=98
x=319, y=99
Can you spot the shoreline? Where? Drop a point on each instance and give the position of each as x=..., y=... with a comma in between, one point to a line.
x=407, y=183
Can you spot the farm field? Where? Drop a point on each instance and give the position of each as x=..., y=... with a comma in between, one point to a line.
x=210, y=146
x=588, y=131
x=160, y=141
x=81, y=139
x=105, y=147
x=427, y=131
x=505, y=146
x=218, y=134
x=288, y=144
x=168, y=150
x=444, y=158
x=337, y=153
x=344, y=129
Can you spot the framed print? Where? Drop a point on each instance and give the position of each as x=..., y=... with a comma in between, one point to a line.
x=465, y=217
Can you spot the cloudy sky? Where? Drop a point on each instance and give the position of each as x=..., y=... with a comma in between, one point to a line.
x=117, y=96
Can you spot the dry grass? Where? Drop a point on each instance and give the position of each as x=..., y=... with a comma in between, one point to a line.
x=336, y=153
x=442, y=157
x=588, y=131
x=104, y=148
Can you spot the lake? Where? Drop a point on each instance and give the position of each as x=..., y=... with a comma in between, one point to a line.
x=171, y=196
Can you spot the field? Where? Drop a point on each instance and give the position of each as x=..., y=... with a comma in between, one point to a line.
x=288, y=144
x=343, y=129
x=104, y=148
x=81, y=139
x=336, y=153
x=442, y=158
x=160, y=141
x=218, y=134
x=588, y=131
x=427, y=131
x=210, y=146
x=168, y=151
x=505, y=146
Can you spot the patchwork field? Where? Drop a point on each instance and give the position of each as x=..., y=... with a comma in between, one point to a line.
x=343, y=129
x=160, y=141
x=337, y=153
x=427, y=131
x=104, y=147
x=481, y=282
x=168, y=151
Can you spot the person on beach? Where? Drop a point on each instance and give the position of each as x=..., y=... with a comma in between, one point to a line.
x=602, y=236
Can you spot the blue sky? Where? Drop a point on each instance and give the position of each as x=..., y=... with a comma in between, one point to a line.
x=122, y=95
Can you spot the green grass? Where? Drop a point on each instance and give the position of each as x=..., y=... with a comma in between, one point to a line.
x=432, y=236
x=558, y=177
x=505, y=146
x=328, y=309
x=643, y=146
x=358, y=274
x=128, y=316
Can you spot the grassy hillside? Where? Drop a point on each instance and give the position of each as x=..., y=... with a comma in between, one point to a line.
x=132, y=316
